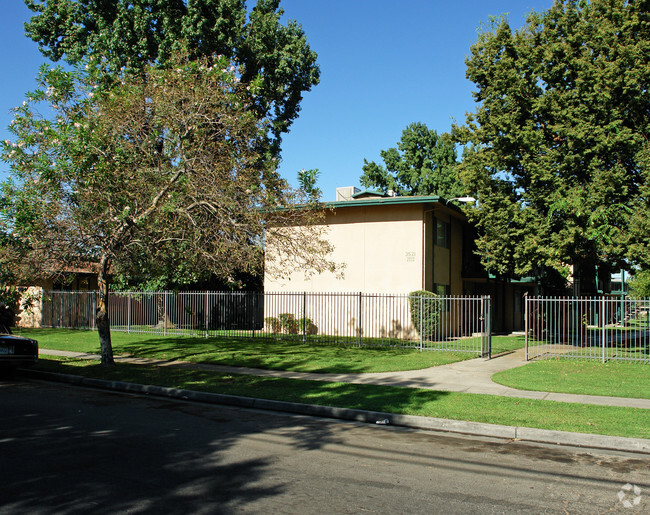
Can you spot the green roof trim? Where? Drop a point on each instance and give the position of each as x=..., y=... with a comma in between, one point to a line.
x=369, y=192
x=385, y=201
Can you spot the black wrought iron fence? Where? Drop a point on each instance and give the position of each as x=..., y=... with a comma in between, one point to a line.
x=416, y=321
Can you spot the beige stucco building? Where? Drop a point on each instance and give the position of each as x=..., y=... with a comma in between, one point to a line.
x=388, y=245
x=32, y=316
x=396, y=245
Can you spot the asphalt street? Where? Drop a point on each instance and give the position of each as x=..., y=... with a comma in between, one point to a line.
x=70, y=450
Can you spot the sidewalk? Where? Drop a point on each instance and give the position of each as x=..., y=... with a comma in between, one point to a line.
x=470, y=376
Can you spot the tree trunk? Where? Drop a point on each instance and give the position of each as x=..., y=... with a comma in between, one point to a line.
x=103, y=324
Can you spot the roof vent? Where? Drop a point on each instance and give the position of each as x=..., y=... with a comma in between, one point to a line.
x=346, y=192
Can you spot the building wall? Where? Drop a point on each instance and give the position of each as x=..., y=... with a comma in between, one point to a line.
x=456, y=270
x=381, y=247
x=32, y=296
x=387, y=249
x=30, y=317
x=443, y=266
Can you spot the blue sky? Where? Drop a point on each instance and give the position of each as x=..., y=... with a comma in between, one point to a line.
x=384, y=64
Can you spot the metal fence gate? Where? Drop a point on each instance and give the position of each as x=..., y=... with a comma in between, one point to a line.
x=603, y=328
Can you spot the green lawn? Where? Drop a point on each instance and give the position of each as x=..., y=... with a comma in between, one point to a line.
x=258, y=353
x=628, y=422
x=565, y=376
x=581, y=377
x=501, y=344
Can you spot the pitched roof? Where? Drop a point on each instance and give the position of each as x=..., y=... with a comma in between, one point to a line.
x=368, y=194
x=383, y=201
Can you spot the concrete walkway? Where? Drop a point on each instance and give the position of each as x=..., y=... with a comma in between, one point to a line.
x=470, y=376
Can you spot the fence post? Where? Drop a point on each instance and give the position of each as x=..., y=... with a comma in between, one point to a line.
x=421, y=342
x=254, y=301
x=482, y=328
x=359, y=321
x=602, y=322
x=304, y=316
x=207, y=317
x=128, y=312
x=489, y=326
x=526, y=326
x=486, y=330
x=165, y=313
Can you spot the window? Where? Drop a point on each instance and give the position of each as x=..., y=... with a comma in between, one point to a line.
x=442, y=234
x=442, y=290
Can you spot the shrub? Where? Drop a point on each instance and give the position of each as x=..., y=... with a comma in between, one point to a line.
x=426, y=321
x=288, y=322
x=307, y=326
x=273, y=324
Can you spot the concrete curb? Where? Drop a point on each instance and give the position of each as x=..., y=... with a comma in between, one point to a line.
x=638, y=445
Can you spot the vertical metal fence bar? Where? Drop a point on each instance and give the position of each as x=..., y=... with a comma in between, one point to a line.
x=304, y=316
x=359, y=319
x=602, y=321
x=165, y=313
x=421, y=329
x=526, y=329
x=206, y=315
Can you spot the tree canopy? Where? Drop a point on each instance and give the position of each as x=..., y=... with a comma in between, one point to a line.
x=640, y=284
x=558, y=143
x=423, y=163
x=127, y=35
x=163, y=172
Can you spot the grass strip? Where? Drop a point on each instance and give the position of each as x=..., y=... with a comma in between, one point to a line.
x=268, y=353
x=605, y=420
x=580, y=377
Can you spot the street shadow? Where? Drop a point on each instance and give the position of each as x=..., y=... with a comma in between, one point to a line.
x=77, y=451
x=80, y=451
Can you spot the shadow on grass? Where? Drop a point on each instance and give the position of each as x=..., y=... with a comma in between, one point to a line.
x=506, y=344
x=346, y=395
x=287, y=355
x=267, y=353
x=611, y=420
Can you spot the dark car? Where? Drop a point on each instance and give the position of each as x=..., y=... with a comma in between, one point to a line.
x=16, y=351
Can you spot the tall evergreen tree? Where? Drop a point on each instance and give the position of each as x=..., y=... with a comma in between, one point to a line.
x=558, y=138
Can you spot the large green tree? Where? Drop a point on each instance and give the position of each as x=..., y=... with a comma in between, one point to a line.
x=128, y=35
x=423, y=163
x=558, y=139
x=164, y=171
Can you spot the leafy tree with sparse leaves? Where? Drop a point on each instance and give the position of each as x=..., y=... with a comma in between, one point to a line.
x=125, y=36
x=423, y=163
x=640, y=284
x=162, y=171
x=556, y=146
